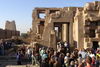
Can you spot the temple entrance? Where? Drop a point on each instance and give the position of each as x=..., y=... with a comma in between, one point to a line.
x=95, y=45
x=62, y=31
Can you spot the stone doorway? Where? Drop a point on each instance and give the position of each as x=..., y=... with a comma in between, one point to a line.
x=95, y=45
x=62, y=31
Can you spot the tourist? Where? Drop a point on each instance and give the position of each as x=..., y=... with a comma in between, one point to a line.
x=80, y=59
x=1, y=49
x=29, y=52
x=88, y=61
x=66, y=61
x=72, y=64
x=91, y=54
x=61, y=59
x=76, y=63
x=19, y=58
x=82, y=64
x=44, y=63
x=44, y=55
x=23, y=49
x=58, y=46
x=98, y=58
x=48, y=57
x=57, y=63
x=83, y=53
x=71, y=58
x=93, y=61
x=52, y=61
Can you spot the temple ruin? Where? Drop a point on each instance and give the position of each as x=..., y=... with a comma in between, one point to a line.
x=80, y=26
x=10, y=25
x=9, y=31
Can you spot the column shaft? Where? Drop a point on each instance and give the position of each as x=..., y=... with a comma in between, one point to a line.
x=65, y=32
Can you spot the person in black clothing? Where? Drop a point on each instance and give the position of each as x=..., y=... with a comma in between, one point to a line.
x=61, y=59
x=52, y=61
x=44, y=63
x=19, y=57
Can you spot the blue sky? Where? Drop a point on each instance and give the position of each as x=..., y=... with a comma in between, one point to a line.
x=21, y=10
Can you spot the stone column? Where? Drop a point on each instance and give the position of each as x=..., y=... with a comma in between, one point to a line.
x=65, y=32
x=71, y=34
x=52, y=39
x=37, y=30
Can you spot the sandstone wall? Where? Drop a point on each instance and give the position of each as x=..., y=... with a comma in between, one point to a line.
x=5, y=34
x=80, y=20
x=10, y=25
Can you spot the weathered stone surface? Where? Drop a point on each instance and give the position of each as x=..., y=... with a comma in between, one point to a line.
x=10, y=25
x=9, y=31
x=78, y=20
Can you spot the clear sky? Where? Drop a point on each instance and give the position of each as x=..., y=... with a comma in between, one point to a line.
x=21, y=10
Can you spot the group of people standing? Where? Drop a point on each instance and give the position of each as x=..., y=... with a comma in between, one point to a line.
x=5, y=45
x=1, y=49
x=63, y=56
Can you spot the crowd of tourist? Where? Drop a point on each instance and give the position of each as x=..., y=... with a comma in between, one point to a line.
x=63, y=56
x=5, y=45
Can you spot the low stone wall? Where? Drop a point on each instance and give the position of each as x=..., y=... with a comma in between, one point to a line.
x=5, y=34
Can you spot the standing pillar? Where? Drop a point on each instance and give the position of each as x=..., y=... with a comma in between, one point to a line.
x=37, y=30
x=65, y=32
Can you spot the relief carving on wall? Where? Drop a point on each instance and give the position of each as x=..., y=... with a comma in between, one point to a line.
x=58, y=14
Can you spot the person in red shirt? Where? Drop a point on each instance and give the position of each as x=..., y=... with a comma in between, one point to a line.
x=93, y=61
x=88, y=61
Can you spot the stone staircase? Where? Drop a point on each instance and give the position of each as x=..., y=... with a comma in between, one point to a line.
x=6, y=60
x=10, y=61
x=22, y=66
x=16, y=66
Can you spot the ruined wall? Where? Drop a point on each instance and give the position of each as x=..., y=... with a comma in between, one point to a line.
x=58, y=15
x=91, y=23
x=5, y=34
x=2, y=34
x=10, y=25
x=86, y=24
x=10, y=30
x=79, y=20
x=78, y=28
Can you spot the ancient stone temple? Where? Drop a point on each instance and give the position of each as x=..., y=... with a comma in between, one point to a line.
x=9, y=31
x=80, y=26
x=10, y=25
